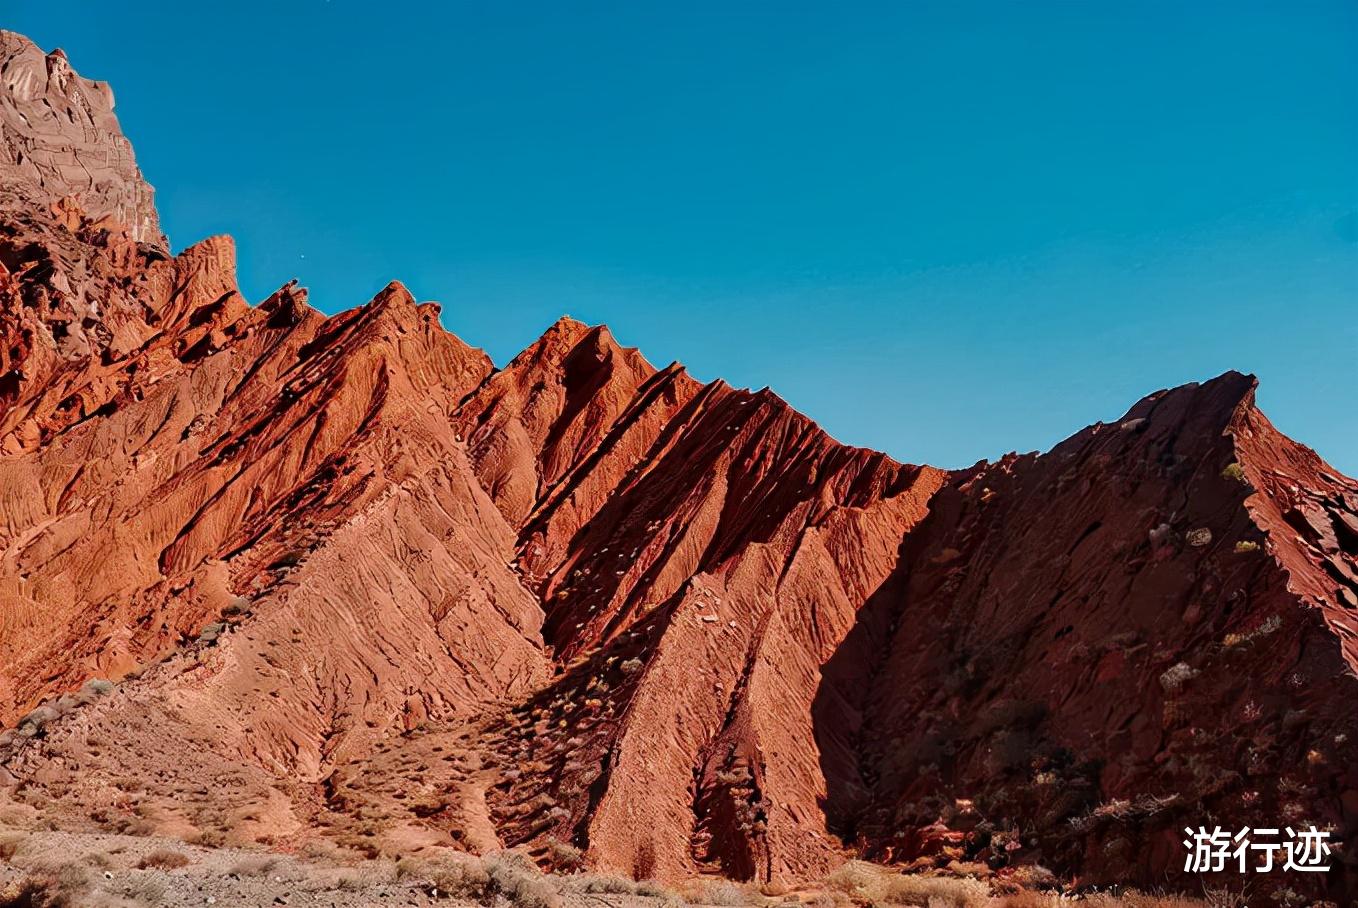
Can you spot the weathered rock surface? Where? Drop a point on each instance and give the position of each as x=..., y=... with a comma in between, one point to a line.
x=353, y=582
x=60, y=140
x=1091, y=649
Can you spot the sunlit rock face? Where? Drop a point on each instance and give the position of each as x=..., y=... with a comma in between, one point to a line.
x=60, y=139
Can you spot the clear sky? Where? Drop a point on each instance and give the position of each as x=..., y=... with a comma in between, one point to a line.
x=942, y=229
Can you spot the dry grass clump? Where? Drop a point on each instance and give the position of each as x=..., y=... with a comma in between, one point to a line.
x=862, y=881
x=1135, y=899
x=515, y=876
x=35, y=891
x=831, y=898
x=564, y=856
x=18, y=816
x=163, y=859
x=511, y=875
x=10, y=843
x=50, y=885
x=718, y=892
x=141, y=889
x=1130, y=899
x=254, y=865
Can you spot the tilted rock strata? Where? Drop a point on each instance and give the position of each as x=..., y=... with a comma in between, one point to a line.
x=1097, y=647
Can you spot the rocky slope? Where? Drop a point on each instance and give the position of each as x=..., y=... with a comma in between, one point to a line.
x=352, y=582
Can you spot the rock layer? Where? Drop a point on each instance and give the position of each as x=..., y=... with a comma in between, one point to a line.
x=60, y=139
x=354, y=582
x=1094, y=648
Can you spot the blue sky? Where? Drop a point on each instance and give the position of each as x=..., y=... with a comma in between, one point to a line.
x=945, y=230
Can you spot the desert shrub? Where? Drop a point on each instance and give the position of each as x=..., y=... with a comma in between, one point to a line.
x=461, y=879
x=513, y=875
x=564, y=856
x=101, y=859
x=37, y=720
x=94, y=688
x=17, y=816
x=715, y=892
x=1244, y=546
x=654, y=890
x=631, y=666
x=936, y=891
x=348, y=881
x=10, y=842
x=163, y=859
x=60, y=884
x=862, y=881
x=36, y=891
x=1233, y=471
x=856, y=879
x=211, y=838
x=1134, y=899
x=323, y=850
x=254, y=865
x=1176, y=676
x=829, y=899
x=143, y=889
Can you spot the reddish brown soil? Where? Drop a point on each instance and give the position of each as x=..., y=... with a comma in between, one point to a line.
x=353, y=582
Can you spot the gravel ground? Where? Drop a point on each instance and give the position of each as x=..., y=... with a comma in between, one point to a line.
x=98, y=870
x=105, y=870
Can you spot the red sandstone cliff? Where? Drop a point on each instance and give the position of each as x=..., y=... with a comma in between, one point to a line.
x=353, y=581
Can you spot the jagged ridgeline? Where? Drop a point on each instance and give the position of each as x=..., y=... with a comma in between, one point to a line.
x=339, y=577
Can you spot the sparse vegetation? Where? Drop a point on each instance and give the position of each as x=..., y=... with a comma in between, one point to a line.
x=10, y=843
x=95, y=688
x=508, y=874
x=35, y=891
x=32, y=724
x=1176, y=676
x=1245, y=546
x=862, y=881
x=716, y=892
x=254, y=865
x=564, y=856
x=163, y=859
x=510, y=879
x=49, y=884
x=1233, y=471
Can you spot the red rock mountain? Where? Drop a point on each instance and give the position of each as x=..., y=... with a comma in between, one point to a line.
x=352, y=581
